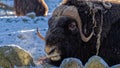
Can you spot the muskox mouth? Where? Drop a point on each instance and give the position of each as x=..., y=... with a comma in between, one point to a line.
x=54, y=56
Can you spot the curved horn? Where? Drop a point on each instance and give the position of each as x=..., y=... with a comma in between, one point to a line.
x=58, y=11
x=39, y=35
x=71, y=11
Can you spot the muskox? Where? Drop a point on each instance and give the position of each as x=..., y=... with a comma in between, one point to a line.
x=22, y=7
x=81, y=29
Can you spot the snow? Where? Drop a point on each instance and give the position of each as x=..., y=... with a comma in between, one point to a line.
x=8, y=2
x=21, y=31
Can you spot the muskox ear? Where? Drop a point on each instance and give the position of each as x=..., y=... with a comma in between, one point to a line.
x=72, y=26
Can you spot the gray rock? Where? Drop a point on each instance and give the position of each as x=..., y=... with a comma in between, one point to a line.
x=96, y=62
x=71, y=63
x=11, y=56
x=116, y=66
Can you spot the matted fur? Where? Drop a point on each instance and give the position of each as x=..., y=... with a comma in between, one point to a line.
x=69, y=43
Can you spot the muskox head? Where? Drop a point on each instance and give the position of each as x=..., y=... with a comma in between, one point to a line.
x=65, y=36
x=62, y=39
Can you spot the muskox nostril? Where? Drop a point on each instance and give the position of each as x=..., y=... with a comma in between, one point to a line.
x=52, y=50
x=49, y=50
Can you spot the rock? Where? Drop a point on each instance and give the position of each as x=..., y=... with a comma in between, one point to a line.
x=116, y=66
x=11, y=56
x=71, y=63
x=96, y=62
x=4, y=62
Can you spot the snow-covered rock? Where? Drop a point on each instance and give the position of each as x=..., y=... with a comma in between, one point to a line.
x=96, y=62
x=116, y=66
x=11, y=56
x=71, y=63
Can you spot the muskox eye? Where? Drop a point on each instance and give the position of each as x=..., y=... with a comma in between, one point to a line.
x=72, y=26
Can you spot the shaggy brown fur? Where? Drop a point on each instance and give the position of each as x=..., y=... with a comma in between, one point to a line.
x=68, y=42
x=22, y=7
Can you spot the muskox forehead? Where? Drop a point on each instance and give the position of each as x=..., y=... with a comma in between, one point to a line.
x=60, y=21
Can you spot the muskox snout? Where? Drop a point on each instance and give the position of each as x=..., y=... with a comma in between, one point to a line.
x=53, y=53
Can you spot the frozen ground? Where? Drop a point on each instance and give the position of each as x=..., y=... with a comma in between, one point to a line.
x=51, y=4
x=21, y=31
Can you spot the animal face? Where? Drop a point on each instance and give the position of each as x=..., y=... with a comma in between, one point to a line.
x=62, y=38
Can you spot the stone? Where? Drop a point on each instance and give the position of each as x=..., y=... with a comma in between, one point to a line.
x=96, y=62
x=71, y=63
x=116, y=66
x=11, y=56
